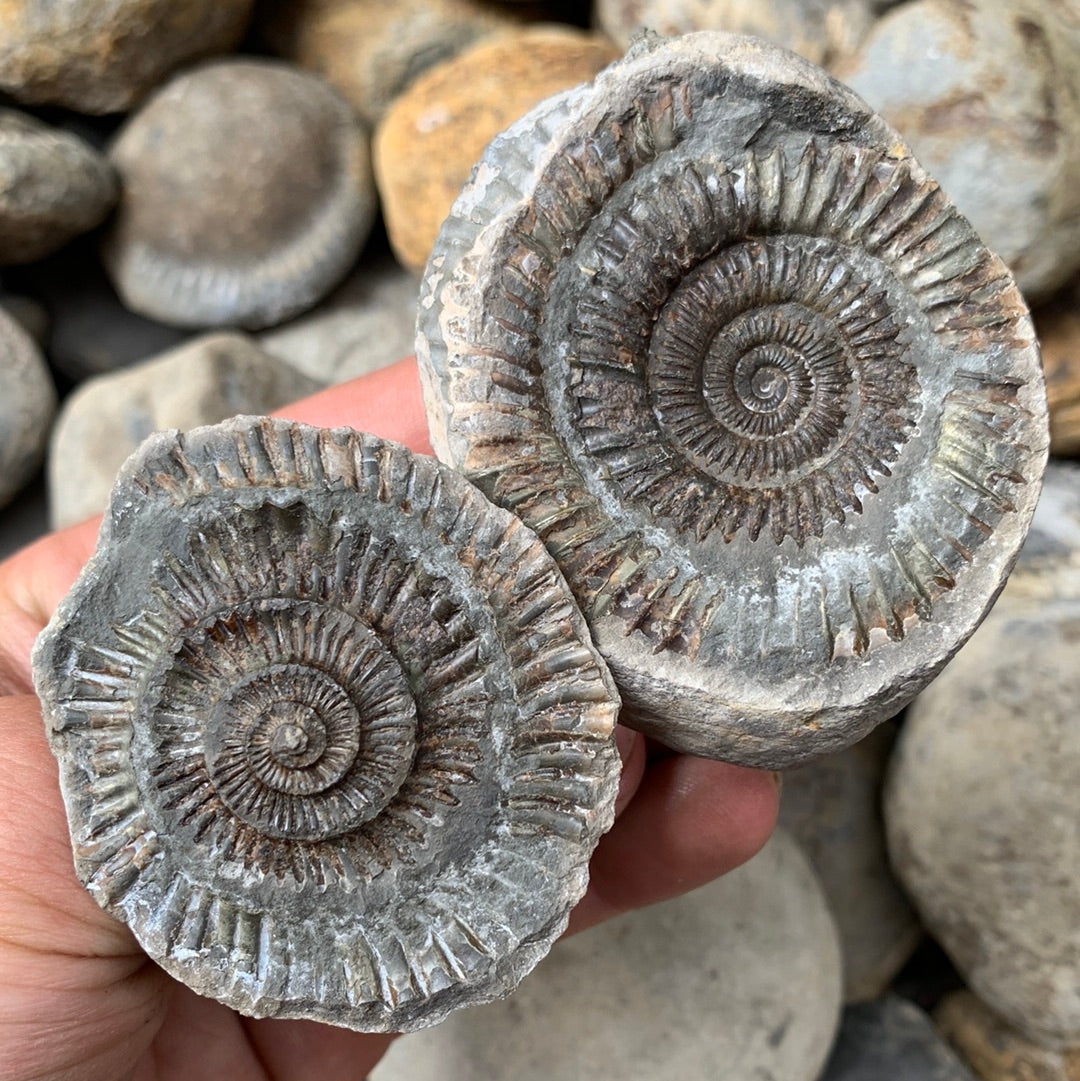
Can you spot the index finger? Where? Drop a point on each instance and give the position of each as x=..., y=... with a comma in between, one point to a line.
x=387, y=403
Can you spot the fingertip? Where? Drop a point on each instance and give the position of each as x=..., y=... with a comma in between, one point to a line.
x=632, y=750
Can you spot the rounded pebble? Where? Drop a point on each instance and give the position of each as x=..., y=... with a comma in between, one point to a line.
x=247, y=196
x=102, y=56
x=435, y=132
x=996, y=1051
x=1058, y=327
x=27, y=406
x=982, y=805
x=53, y=186
x=371, y=50
x=743, y=971
x=367, y=323
x=201, y=382
x=987, y=92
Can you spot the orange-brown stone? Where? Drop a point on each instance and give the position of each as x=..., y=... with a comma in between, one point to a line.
x=1059, y=335
x=435, y=132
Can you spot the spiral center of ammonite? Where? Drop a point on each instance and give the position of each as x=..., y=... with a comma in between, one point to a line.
x=304, y=737
x=292, y=738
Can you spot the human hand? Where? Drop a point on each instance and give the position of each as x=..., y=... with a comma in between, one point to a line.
x=80, y=1001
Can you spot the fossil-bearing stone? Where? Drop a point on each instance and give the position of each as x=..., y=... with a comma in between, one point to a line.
x=987, y=93
x=332, y=735
x=433, y=134
x=371, y=50
x=982, y=805
x=820, y=30
x=53, y=186
x=366, y=323
x=247, y=195
x=709, y=328
x=891, y=1039
x=996, y=1051
x=738, y=980
x=27, y=406
x=833, y=808
x=203, y=381
x=101, y=56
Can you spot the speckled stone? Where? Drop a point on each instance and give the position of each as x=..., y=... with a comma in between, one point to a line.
x=833, y=807
x=987, y=92
x=53, y=186
x=104, y=420
x=892, y=1040
x=367, y=323
x=27, y=406
x=995, y=1050
x=101, y=56
x=247, y=196
x=982, y=805
x=433, y=135
x=820, y=30
x=371, y=50
x=744, y=972
x=1058, y=327
x=29, y=313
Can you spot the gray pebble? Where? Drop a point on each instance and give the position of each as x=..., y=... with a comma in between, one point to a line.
x=104, y=420
x=367, y=323
x=833, y=807
x=982, y=805
x=53, y=186
x=247, y=196
x=739, y=979
x=892, y=1040
x=987, y=92
x=27, y=406
x=101, y=56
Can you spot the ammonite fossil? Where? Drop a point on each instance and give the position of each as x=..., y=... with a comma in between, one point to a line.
x=714, y=334
x=332, y=735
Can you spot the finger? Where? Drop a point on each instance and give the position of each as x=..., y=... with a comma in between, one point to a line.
x=301, y=1050
x=691, y=821
x=387, y=403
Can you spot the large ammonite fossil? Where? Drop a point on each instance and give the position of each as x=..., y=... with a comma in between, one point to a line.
x=711, y=331
x=333, y=737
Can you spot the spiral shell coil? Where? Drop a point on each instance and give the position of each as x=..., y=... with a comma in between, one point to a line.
x=712, y=332
x=333, y=738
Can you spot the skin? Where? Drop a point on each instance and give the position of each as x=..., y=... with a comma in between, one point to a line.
x=79, y=1000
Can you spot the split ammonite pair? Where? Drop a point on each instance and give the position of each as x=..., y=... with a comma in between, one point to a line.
x=334, y=735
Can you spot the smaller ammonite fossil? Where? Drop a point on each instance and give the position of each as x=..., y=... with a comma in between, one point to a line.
x=333, y=738
x=714, y=334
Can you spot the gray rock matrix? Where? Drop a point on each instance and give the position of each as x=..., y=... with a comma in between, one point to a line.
x=708, y=327
x=247, y=195
x=739, y=979
x=332, y=737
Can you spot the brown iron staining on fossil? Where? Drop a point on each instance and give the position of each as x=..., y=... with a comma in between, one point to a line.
x=713, y=333
x=333, y=737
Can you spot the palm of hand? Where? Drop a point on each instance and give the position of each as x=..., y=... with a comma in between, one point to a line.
x=79, y=1000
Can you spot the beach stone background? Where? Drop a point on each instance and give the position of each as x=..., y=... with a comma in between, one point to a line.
x=944, y=915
